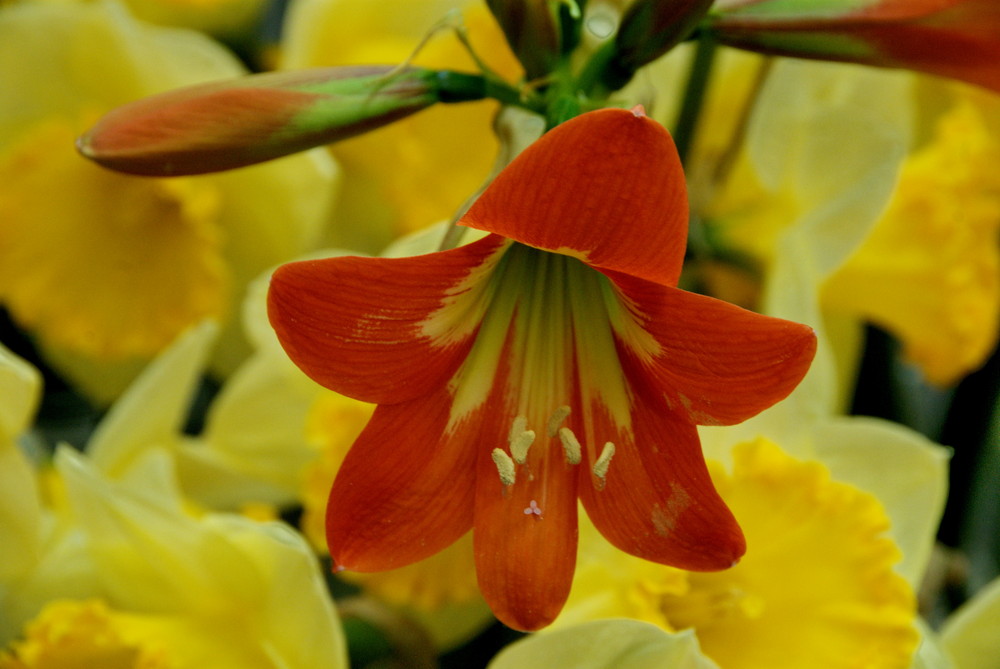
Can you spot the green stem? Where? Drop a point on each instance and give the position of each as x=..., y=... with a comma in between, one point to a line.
x=694, y=95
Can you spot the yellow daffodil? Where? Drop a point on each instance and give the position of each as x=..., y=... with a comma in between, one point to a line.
x=817, y=587
x=171, y=590
x=101, y=564
x=895, y=205
x=422, y=169
x=112, y=269
x=930, y=270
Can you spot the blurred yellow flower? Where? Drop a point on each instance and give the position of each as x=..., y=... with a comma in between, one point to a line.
x=420, y=170
x=70, y=634
x=930, y=270
x=104, y=269
x=899, y=223
x=816, y=588
x=226, y=19
x=166, y=589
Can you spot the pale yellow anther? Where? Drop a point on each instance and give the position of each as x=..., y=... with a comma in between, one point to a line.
x=519, y=447
x=604, y=461
x=519, y=427
x=505, y=466
x=571, y=446
x=556, y=419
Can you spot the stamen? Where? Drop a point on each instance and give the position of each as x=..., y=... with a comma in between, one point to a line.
x=533, y=509
x=505, y=467
x=603, y=462
x=571, y=446
x=519, y=447
x=519, y=427
x=556, y=419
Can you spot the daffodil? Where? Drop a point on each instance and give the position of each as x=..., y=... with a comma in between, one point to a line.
x=930, y=272
x=952, y=38
x=819, y=585
x=552, y=360
x=110, y=272
x=102, y=565
x=819, y=170
x=172, y=590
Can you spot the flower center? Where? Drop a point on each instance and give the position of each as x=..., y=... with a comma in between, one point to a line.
x=74, y=635
x=818, y=581
x=99, y=263
x=547, y=327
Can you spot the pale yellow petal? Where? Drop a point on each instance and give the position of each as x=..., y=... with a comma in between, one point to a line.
x=970, y=635
x=906, y=472
x=20, y=391
x=605, y=644
x=20, y=514
x=152, y=411
x=214, y=589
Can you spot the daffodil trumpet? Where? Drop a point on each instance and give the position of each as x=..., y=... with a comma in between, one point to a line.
x=553, y=360
x=224, y=125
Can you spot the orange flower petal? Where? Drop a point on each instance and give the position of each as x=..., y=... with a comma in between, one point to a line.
x=658, y=501
x=606, y=187
x=404, y=491
x=525, y=535
x=358, y=325
x=716, y=362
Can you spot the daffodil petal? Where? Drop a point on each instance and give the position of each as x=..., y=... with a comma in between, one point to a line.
x=606, y=187
x=20, y=391
x=605, y=644
x=363, y=326
x=970, y=635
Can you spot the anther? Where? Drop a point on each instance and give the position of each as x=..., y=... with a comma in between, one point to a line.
x=571, y=446
x=519, y=427
x=604, y=461
x=556, y=419
x=519, y=446
x=505, y=466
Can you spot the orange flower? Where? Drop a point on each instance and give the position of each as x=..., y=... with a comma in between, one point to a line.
x=553, y=360
x=951, y=38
